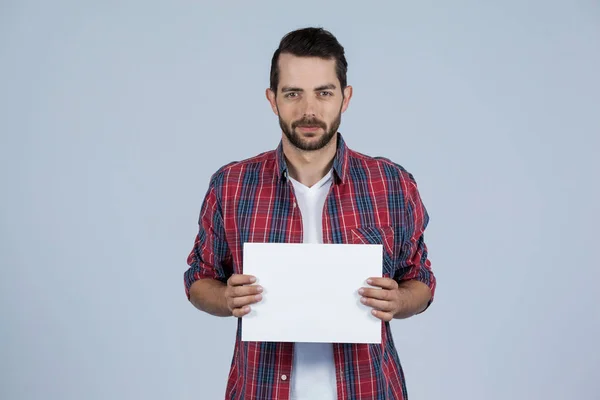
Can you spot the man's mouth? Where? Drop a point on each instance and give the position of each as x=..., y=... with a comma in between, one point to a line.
x=310, y=128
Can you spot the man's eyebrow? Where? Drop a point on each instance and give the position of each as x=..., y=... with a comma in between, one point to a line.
x=291, y=89
x=329, y=86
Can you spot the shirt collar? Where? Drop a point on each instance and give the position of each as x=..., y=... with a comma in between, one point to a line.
x=340, y=161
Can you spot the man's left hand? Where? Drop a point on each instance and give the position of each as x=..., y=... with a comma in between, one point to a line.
x=386, y=302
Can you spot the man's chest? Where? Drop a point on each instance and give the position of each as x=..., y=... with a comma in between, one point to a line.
x=269, y=213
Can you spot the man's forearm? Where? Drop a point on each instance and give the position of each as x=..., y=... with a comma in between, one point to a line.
x=208, y=295
x=414, y=297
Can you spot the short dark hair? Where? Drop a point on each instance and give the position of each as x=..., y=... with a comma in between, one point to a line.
x=310, y=42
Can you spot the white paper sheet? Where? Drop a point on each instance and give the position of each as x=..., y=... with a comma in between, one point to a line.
x=311, y=292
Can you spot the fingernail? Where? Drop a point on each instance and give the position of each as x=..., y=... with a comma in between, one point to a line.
x=258, y=296
x=361, y=291
x=363, y=300
x=369, y=281
x=373, y=312
x=259, y=289
x=252, y=279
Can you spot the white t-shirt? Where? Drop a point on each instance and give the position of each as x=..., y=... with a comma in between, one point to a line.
x=313, y=370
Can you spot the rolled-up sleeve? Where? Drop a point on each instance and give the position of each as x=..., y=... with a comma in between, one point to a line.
x=210, y=257
x=413, y=260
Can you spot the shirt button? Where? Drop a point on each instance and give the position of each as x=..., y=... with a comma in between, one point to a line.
x=284, y=377
x=294, y=204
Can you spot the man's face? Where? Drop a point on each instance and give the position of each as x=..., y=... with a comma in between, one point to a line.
x=309, y=101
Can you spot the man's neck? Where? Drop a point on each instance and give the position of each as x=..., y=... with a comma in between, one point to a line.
x=309, y=167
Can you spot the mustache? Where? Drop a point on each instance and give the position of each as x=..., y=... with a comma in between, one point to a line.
x=309, y=122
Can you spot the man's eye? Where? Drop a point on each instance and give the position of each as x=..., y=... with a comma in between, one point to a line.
x=291, y=94
x=326, y=93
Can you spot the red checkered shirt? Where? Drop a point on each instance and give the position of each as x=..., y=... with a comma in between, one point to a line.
x=371, y=201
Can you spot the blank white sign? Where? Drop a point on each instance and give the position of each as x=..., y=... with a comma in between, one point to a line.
x=311, y=292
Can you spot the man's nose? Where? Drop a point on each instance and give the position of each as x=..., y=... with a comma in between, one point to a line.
x=310, y=106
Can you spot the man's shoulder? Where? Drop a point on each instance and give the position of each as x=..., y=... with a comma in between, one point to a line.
x=233, y=169
x=380, y=165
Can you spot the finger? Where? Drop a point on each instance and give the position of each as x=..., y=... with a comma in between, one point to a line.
x=380, y=305
x=385, y=283
x=381, y=294
x=240, y=279
x=240, y=312
x=382, y=315
x=240, y=291
x=239, y=302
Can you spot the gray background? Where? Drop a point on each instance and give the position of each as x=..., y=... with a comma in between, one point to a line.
x=113, y=116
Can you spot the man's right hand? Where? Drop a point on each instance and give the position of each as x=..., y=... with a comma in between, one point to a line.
x=239, y=294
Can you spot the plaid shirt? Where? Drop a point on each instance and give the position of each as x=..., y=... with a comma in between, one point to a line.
x=372, y=201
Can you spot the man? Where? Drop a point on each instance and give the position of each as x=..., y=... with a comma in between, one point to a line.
x=312, y=189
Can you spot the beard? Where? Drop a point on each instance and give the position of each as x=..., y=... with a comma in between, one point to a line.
x=296, y=139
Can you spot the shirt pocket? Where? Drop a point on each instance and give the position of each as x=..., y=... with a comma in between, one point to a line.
x=383, y=235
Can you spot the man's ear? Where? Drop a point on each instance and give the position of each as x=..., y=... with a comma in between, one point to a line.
x=272, y=97
x=347, y=96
